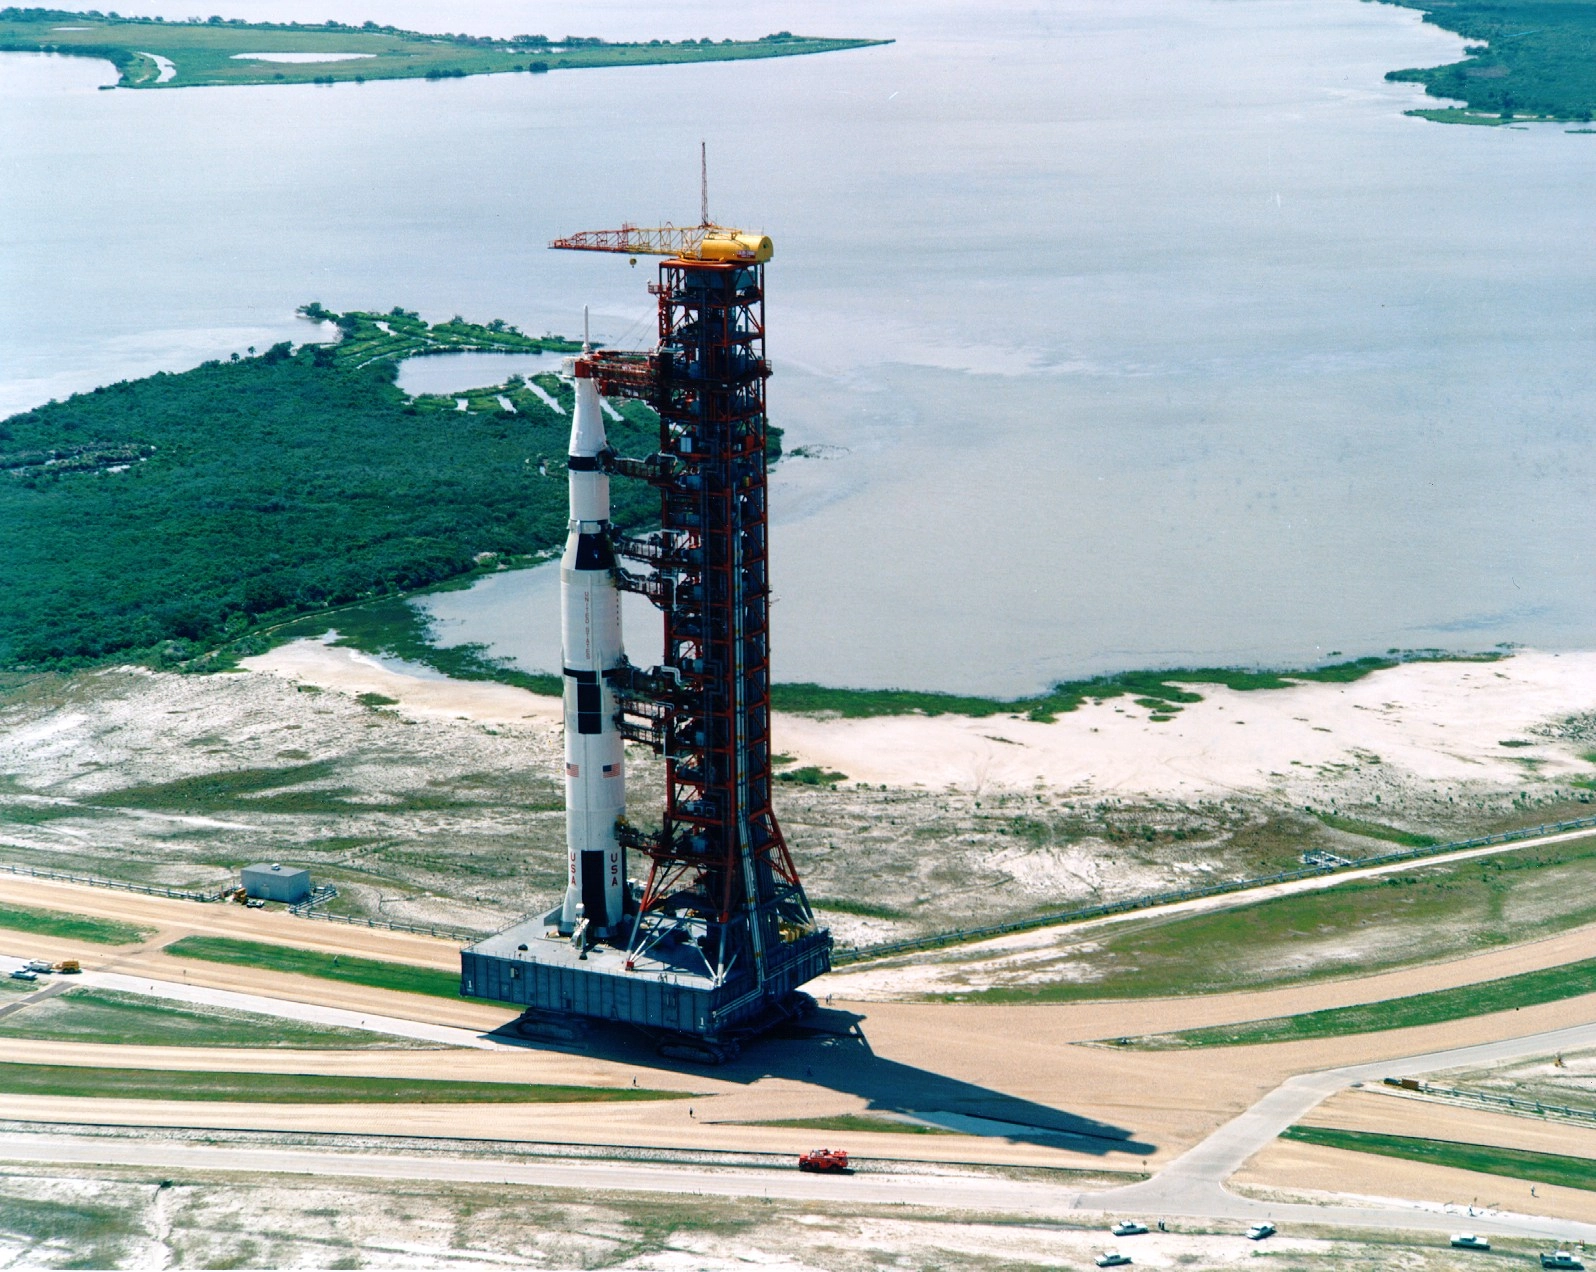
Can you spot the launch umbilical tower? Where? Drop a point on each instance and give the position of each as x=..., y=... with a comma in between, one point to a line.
x=717, y=937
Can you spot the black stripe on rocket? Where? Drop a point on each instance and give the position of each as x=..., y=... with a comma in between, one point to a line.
x=593, y=552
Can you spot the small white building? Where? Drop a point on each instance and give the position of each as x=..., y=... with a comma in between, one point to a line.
x=277, y=882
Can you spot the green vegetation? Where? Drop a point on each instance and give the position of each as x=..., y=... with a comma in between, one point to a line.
x=71, y=927
x=1374, y=830
x=77, y=1233
x=865, y=909
x=213, y=51
x=275, y=485
x=1526, y=990
x=113, y=1018
x=812, y=775
x=284, y=485
x=856, y=1122
x=1515, y=1163
x=88, y=1083
x=283, y=789
x=1361, y=925
x=1164, y=691
x=1533, y=59
x=401, y=977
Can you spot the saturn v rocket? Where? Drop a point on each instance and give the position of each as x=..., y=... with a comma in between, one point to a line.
x=590, y=625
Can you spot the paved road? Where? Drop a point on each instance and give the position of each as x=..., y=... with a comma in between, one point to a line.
x=1192, y=1186
x=965, y=1191
x=281, y=1008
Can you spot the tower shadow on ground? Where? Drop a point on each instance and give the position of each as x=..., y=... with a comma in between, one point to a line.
x=829, y=1049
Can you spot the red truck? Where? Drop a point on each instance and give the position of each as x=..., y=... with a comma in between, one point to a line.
x=825, y=1161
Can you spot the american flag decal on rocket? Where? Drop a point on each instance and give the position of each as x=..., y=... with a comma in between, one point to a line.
x=573, y=770
x=612, y=770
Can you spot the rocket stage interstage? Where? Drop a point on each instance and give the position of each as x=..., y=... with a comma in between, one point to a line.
x=714, y=943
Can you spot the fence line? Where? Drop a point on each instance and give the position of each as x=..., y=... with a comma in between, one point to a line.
x=355, y=920
x=175, y=894
x=179, y=894
x=963, y=936
x=1492, y=1100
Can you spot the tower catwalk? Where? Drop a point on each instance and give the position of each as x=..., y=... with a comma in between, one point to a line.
x=718, y=937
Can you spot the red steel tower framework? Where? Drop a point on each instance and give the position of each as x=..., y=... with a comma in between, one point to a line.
x=719, y=856
x=716, y=941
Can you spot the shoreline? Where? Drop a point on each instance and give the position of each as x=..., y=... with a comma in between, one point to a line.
x=1443, y=725
x=229, y=53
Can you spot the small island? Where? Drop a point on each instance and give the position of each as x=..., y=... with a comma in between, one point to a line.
x=154, y=53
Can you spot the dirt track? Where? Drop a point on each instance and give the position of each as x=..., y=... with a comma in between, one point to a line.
x=1008, y=1064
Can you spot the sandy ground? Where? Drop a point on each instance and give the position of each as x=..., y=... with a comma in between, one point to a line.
x=1292, y=1171
x=350, y=671
x=1440, y=723
x=1015, y=1074
x=1391, y=1112
x=950, y=1057
x=1081, y=1021
x=1008, y=1070
x=184, y=918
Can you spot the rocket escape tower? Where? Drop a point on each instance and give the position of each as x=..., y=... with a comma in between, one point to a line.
x=719, y=935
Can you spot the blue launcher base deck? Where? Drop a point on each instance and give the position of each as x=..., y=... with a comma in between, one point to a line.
x=670, y=989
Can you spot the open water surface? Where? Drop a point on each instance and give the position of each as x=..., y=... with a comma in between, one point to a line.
x=1124, y=334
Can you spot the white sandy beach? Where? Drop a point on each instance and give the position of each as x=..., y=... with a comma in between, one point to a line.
x=1441, y=725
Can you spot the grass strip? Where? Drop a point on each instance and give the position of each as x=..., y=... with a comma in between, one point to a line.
x=113, y=1018
x=72, y=927
x=1527, y=989
x=1167, y=690
x=1515, y=1163
x=339, y=967
x=1452, y=908
x=1376, y=830
x=91, y=1083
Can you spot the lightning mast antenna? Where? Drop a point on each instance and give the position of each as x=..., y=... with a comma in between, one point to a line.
x=703, y=184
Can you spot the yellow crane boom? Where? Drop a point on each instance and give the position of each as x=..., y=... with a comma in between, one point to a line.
x=705, y=242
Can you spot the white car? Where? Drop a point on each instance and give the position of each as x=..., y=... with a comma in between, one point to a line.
x=1128, y=1228
x=1259, y=1231
x=1468, y=1241
x=1112, y=1259
x=39, y=965
x=1561, y=1259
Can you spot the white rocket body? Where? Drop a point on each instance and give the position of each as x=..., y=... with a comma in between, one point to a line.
x=590, y=625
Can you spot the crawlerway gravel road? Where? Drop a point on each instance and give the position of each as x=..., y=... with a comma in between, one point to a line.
x=1192, y=1186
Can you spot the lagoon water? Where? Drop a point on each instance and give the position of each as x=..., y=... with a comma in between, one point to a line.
x=456, y=372
x=1125, y=335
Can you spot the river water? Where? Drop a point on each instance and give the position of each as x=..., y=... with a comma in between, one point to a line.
x=1122, y=335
